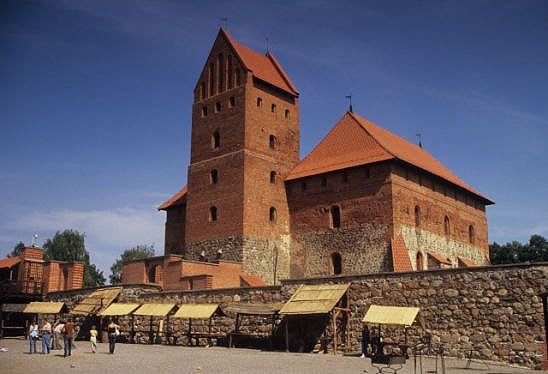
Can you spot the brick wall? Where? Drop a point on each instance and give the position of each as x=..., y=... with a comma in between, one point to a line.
x=32, y=253
x=134, y=273
x=175, y=229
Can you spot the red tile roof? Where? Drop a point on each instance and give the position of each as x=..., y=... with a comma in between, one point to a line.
x=252, y=280
x=468, y=263
x=440, y=258
x=400, y=255
x=263, y=67
x=176, y=199
x=354, y=141
x=9, y=262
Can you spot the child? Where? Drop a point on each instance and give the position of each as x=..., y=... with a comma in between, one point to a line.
x=93, y=338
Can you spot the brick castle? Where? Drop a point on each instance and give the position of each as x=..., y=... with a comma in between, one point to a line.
x=363, y=201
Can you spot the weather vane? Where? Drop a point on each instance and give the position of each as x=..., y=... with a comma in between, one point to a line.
x=420, y=139
x=34, y=240
x=349, y=97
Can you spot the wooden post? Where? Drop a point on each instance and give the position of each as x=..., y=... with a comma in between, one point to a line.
x=190, y=331
x=287, y=334
x=209, y=331
x=334, y=317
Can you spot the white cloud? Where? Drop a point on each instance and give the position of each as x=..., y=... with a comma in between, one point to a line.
x=108, y=232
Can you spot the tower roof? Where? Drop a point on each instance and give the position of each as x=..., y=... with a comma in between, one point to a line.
x=176, y=199
x=355, y=141
x=263, y=67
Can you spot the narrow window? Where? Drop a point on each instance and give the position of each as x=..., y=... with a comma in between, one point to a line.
x=419, y=262
x=217, y=107
x=221, y=74
x=213, y=176
x=230, y=73
x=231, y=102
x=417, y=216
x=272, y=214
x=367, y=172
x=204, y=111
x=272, y=142
x=336, y=263
x=212, y=214
x=471, y=234
x=273, y=108
x=287, y=114
x=238, y=78
x=335, y=217
x=303, y=186
x=211, y=79
x=273, y=177
x=344, y=177
x=203, y=90
x=446, y=225
x=324, y=181
x=215, y=140
x=259, y=102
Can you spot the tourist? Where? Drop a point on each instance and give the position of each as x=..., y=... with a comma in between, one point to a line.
x=33, y=337
x=366, y=340
x=68, y=333
x=57, y=333
x=46, y=336
x=74, y=336
x=93, y=338
x=113, y=332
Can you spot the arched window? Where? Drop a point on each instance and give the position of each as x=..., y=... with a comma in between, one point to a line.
x=273, y=177
x=336, y=263
x=446, y=226
x=215, y=140
x=417, y=216
x=335, y=217
x=272, y=214
x=272, y=142
x=203, y=90
x=221, y=75
x=212, y=214
x=420, y=262
x=230, y=74
x=287, y=114
x=211, y=79
x=259, y=102
x=471, y=234
x=214, y=176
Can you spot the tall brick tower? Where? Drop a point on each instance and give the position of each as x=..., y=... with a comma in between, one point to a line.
x=245, y=140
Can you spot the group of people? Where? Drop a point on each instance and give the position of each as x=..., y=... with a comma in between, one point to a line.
x=51, y=336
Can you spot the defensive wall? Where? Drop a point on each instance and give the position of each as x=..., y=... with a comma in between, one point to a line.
x=493, y=313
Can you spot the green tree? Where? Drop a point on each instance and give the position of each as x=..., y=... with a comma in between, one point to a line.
x=138, y=252
x=69, y=246
x=513, y=252
x=17, y=249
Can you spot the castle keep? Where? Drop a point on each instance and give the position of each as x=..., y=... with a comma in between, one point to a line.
x=363, y=201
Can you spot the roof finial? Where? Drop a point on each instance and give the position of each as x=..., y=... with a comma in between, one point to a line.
x=267, y=44
x=225, y=20
x=349, y=97
x=420, y=139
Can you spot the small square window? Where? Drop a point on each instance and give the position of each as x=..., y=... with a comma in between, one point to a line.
x=231, y=102
x=217, y=107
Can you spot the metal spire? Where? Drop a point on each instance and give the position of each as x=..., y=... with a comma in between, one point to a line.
x=349, y=97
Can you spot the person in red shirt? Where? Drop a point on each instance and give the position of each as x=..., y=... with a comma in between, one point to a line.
x=68, y=332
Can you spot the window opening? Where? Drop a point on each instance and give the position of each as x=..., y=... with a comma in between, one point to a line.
x=217, y=107
x=417, y=216
x=335, y=217
x=212, y=214
x=272, y=142
x=287, y=114
x=204, y=111
x=214, y=176
x=273, y=177
x=231, y=102
x=272, y=214
x=336, y=263
x=259, y=102
x=420, y=262
x=471, y=234
x=446, y=225
x=215, y=140
x=273, y=108
x=211, y=79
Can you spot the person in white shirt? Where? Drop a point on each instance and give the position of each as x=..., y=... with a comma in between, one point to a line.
x=57, y=331
x=46, y=336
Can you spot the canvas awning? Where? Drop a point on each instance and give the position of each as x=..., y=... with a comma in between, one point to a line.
x=158, y=310
x=97, y=301
x=13, y=308
x=391, y=315
x=44, y=307
x=314, y=299
x=254, y=309
x=197, y=311
x=118, y=309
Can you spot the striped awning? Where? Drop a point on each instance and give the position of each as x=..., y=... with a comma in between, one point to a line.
x=97, y=301
x=44, y=307
x=391, y=315
x=159, y=310
x=118, y=309
x=315, y=299
x=197, y=311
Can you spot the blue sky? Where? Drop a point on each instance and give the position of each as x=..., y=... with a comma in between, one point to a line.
x=95, y=101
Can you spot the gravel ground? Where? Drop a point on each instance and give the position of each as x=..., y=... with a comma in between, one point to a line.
x=157, y=359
